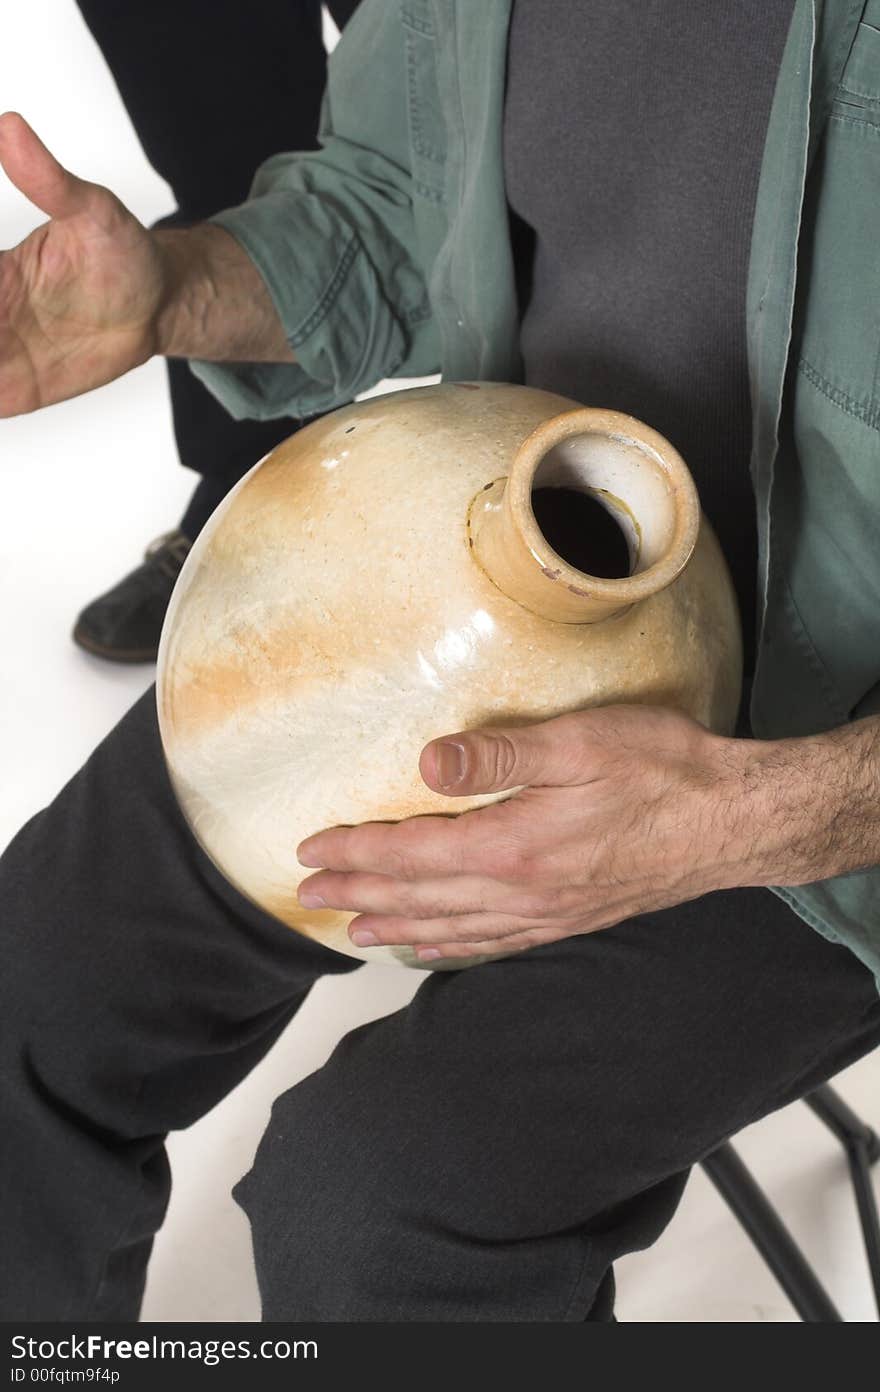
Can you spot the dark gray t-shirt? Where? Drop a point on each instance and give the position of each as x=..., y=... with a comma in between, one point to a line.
x=633, y=137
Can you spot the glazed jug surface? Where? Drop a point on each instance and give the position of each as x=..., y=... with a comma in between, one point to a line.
x=385, y=577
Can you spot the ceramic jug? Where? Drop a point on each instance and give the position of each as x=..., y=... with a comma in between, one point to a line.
x=417, y=564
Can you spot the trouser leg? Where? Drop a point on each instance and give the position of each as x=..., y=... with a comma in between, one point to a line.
x=212, y=91
x=217, y=447
x=488, y=1152
x=137, y=989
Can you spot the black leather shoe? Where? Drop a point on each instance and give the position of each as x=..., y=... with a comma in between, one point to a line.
x=124, y=624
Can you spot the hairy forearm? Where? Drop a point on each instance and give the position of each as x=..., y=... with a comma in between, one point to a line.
x=813, y=804
x=216, y=305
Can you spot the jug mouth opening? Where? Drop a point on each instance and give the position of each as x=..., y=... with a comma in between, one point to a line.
x=637, y=478
x=586, y=527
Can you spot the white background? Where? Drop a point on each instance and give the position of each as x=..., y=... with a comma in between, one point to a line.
x=83, y=487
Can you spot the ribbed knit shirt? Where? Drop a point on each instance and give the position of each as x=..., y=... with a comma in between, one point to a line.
x=633, y=137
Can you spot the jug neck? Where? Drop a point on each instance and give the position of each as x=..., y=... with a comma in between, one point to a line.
x=632, y=471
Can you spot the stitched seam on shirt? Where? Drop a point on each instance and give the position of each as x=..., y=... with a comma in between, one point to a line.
x=417, y=314
x=857, y=92
x=843, y=83
x=461, y=167
x=815, y=922
x=777, y=229
x=860, y=122
x=319, y=312
x=864, y=411
x=802, y=638
x=846, y=38
x=413, y=21
x=433, y=195
x=420, y=144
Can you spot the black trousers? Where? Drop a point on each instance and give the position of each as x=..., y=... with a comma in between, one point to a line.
x=484, y=1154
x=212, y=90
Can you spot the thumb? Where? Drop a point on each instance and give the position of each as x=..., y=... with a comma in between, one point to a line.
x=492, y=761
x=36, y=173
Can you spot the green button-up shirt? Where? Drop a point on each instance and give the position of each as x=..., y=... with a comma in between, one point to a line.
x=387, y=253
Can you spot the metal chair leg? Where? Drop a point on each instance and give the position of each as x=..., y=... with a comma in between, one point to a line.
x=770, y=1235
x=862, y=1146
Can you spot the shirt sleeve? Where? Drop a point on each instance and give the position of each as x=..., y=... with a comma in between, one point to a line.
x=332, y=233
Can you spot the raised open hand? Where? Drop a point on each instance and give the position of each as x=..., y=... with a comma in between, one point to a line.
x=80, y=297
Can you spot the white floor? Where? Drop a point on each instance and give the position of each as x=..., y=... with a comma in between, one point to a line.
x=83, y=486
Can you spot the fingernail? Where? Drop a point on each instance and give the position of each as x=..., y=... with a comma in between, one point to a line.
x=364, y=938
x=310, y=900
x=449, y=763
x=306, y=856
x=429, y=954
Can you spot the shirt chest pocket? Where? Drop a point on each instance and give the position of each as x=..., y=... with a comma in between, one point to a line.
x=838, y=310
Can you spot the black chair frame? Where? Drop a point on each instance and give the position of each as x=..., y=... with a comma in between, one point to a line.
x=766, y=1229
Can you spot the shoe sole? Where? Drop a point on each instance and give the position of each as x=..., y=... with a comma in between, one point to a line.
x=126, y=655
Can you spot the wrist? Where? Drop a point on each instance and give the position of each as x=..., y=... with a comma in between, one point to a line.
x=187, y=290
x=806, y=809
x=214, y=303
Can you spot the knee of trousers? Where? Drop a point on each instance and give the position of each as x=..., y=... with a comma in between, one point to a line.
x=367, y=1204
